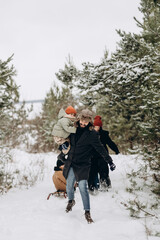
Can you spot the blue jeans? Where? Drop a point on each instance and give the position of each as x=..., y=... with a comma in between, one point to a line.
x=82, y=187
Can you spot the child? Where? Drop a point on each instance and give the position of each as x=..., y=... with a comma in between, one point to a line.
x=58, y=179
x=64, y=127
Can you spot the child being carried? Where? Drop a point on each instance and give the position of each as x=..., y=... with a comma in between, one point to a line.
x=64, y=127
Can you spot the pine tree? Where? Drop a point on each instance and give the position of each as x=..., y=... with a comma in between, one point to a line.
x=8, y=96
x=8, y=88
x=68, y=75
x=150, y=128
x=128, y=85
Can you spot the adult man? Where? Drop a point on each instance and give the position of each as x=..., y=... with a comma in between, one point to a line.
x=98, y=164
x=78, y=163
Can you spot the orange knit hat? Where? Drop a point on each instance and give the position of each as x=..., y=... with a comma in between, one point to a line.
x=70, y=110
x=97, y=121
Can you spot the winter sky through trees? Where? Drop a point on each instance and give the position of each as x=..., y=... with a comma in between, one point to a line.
x=43, y=33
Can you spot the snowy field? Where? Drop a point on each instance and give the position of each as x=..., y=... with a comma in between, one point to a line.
x=26, y=214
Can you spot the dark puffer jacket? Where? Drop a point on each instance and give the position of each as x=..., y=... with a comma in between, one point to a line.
x=82, y=144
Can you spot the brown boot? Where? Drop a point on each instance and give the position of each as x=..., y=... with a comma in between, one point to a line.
x=88, y=217
x=70, y=204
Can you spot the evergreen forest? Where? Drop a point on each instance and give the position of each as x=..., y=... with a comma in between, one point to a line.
x=123, y=88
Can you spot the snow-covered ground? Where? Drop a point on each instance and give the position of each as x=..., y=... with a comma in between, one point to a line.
x=26, y=214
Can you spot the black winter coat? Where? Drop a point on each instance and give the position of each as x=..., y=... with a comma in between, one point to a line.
x=106, y=140
x=59, y=163
x=79, y=156
x=98, y=165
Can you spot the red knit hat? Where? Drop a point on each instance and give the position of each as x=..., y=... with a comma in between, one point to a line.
x=97, y=121
x=70, y=110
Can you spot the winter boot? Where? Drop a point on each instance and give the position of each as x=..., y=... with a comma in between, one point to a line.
x=103, y=186
x=88, y=217
x=91, y=188
x=65, y=145
x=108, y=181
x=70, y=204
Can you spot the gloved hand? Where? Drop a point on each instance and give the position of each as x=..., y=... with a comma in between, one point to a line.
x=112, y=166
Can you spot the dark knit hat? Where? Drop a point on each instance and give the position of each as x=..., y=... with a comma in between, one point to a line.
x=70, y=110
x=97, y=121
